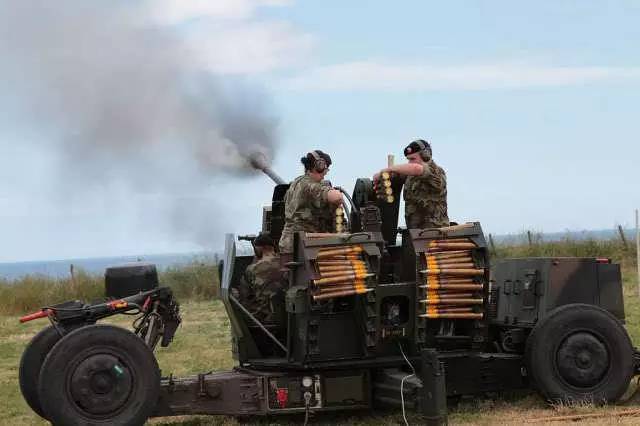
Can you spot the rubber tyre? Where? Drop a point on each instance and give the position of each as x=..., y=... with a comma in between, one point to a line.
x=31, y=362
x=97, y=375
x=580, y=354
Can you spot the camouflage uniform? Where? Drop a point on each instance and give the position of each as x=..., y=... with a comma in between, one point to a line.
x=264, y=282
x=305, y=209
x=425, y=198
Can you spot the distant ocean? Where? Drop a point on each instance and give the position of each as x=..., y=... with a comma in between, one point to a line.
x=60, y=268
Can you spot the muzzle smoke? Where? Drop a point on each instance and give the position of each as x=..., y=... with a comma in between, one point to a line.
x=116, y=98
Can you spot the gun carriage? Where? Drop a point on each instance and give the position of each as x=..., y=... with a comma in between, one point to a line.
x=372, y=316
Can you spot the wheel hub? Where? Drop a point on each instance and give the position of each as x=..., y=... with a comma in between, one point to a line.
x=582, y=360
x=101, y=384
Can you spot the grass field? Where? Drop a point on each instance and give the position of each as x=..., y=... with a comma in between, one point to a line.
x=203, y=343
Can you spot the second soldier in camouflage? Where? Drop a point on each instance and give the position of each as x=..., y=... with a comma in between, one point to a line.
x=425, y=187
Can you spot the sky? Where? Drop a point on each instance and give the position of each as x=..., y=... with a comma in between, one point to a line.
x=532, y=110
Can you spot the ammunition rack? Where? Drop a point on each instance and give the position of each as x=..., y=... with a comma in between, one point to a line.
x=343, y=272
x=336, y=276
x=452, y=290
x=452, y=286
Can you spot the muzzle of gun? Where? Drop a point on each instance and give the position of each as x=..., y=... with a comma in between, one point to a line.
x=259, y=161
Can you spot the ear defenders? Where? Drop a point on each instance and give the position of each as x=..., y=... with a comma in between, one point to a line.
x=425, y=149
x=422, y=144
x=319, y=163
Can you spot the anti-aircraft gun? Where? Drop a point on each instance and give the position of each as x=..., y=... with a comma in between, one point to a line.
x=374, y=316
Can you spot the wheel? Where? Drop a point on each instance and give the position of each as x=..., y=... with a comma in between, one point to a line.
x=580, y=353
x=99, y=374
x=30, y=363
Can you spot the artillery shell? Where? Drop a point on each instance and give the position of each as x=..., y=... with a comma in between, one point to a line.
x=467, y=301
x=440, y=309
x=347, y=262
x=324, y=296
x=385, y=175
x=341, y=278
x=342, y=268
x=465, y=265
x=447, y=296
x=454, y=258
x=342, y=272
x=339, y=211
x=353, y=256
x=339, y=219
x=453, y=316
x=450, y=246
x=449, y=254
x=323, y=253
x=452, y=286
x=388, y=191
x=332, y=268
x=452, y=265
x=457, y=272
x=451, y=260
x=348, y=258
x=449, y=280
x=450, y=240
x=433, y=281
x=350, y=283
x=390, y=199
x=386, y=183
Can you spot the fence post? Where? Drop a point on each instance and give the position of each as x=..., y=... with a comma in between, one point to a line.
x=622, y=237
x=72, y=271
x=529, y=238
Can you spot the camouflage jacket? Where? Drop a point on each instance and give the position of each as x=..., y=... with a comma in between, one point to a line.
x=425, y=198
x=305, y=209
x=264, y=281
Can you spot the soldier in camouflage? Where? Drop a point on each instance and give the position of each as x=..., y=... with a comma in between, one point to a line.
x=264, y=282
x=425, y=187
x=308, y=202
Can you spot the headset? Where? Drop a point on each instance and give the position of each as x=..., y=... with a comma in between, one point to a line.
x=425, y=149
x=319, y=163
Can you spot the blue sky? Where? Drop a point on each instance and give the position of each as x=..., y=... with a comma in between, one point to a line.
x=532, y=109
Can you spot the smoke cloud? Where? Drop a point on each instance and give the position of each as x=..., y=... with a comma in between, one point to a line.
x=122, y=102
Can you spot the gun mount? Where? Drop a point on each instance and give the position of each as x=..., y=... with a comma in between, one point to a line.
x=378, y=316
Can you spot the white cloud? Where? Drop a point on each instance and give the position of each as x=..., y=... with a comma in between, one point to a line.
x=227, y=36
x=378, y=76
x=177, y=11
x=253, y=47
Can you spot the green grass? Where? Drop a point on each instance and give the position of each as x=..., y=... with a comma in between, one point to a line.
x=195, y=281
x=613, y=249
x=202, y=343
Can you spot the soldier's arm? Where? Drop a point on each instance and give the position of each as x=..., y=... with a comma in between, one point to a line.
x=320, y=194
x=406, y=169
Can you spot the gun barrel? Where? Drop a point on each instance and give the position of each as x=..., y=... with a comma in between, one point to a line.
x=259, y=162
